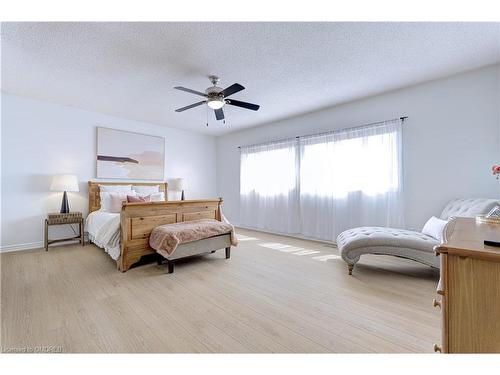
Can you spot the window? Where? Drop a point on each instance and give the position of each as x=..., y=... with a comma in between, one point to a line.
x=336, y=167
x=269, y=171
x=269, y=187
x=321, y=184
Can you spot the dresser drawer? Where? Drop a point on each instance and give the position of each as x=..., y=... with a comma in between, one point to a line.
x=472, y=305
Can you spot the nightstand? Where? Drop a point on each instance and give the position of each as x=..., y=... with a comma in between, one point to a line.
x=63, y=219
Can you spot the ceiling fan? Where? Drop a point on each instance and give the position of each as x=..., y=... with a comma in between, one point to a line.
x=216, y=98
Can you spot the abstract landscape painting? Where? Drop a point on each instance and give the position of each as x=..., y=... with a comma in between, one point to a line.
x=127, y=155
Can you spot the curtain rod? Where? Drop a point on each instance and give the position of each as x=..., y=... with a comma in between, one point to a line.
x=402, y=118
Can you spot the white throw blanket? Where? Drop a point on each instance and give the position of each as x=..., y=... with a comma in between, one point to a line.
x=104, y=230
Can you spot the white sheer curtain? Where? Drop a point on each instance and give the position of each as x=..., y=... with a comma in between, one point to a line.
x=321, y=185
x=351, y=178
x=269, y=197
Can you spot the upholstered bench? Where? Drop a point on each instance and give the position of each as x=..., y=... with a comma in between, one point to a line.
x=205, y=246
x=185, y=239
x=386, y=241
x=403, y=243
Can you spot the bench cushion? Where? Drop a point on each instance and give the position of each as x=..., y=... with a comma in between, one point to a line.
x=165, y=238
x=355, y=242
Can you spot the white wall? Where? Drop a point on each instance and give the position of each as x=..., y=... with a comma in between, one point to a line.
x=40, y=139
x=450, y=140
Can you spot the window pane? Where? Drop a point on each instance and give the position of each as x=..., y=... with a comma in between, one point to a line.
x=331, y=167
x=268, y=172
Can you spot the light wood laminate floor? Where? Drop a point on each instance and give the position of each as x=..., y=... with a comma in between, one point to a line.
x=275, y=294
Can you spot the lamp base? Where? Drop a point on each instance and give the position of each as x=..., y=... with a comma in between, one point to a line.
x=64, y=204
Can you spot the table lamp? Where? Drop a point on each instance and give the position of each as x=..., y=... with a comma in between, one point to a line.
x=178, y=185
x=64, y=182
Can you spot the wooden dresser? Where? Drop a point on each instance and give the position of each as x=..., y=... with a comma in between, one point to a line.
x=469, y=288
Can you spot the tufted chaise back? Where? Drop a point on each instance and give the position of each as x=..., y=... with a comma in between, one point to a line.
x=468, y=207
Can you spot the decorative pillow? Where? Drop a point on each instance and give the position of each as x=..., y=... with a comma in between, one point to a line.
x=138, y=199
x=105, y=201
x=146, y=190
x=158, y=197
x=114, y=188
x=115, y=201
x=435, y=228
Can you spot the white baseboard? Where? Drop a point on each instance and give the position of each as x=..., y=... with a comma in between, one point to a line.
x=298, y=236
x=22, y=246
x=35, y=245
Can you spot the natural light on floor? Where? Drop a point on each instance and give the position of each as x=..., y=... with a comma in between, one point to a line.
x=242, y=237
x=299, y=251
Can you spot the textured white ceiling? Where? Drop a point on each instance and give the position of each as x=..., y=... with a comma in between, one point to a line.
x=130, y=69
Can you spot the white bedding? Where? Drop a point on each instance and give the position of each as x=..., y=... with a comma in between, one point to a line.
x=104, y=230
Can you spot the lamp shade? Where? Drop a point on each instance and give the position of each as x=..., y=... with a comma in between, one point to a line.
x=177, y=184
x=64, y=182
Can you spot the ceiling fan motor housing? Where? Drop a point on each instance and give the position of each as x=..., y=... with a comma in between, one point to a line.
x=215, y=99
x=213, y=91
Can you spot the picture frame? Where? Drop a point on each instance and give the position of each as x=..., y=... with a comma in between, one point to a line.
x=127, y=155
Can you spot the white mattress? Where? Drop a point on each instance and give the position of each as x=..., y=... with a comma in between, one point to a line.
x=104, y=230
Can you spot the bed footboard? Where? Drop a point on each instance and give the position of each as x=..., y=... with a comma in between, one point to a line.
x=139, y=219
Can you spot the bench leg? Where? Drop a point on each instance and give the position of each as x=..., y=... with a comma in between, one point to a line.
x=350, y=267
x=170, y=266
x=46, y=236
x=228, y=252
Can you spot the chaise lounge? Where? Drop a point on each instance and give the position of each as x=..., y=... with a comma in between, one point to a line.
x=354, y=243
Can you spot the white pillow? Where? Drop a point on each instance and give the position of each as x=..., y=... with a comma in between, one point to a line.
x=106, y=203
x=146, y=190
x=114, y=188
x=435, y=228
x=157, y=197
x=116, y=200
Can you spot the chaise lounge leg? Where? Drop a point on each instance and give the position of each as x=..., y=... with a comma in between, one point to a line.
x=170, y=266
x=228, y=252
x=350, y=267
x=159, y=260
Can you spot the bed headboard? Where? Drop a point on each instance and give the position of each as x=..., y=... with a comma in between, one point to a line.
x=95, y=199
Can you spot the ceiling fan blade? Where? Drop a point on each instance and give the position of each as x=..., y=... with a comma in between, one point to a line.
x=190, y=106
x=190, y=91
x=219, y=114
x=233, y=89
x=237, y=103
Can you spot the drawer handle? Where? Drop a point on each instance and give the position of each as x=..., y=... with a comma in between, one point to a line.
x=437, y=348
x=436, y=303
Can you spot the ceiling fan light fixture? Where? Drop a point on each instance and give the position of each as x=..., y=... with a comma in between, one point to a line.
x=215, y=103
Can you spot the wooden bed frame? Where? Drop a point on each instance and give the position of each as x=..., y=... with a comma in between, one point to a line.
x=137, y=220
